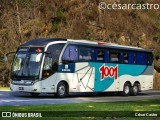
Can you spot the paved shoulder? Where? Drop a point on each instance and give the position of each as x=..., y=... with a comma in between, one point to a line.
x=8, y=98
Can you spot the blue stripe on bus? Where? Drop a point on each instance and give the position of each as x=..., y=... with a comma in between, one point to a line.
x=70, y=69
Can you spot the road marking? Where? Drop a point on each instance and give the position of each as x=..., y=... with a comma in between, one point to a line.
x=11, y=100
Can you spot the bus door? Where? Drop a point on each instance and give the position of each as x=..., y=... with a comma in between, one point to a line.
x=50, y=67
x=69, y=59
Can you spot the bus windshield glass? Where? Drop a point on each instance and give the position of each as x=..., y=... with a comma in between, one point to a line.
x=27, y=63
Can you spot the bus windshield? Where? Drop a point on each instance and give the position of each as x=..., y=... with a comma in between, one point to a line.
x=27, y=63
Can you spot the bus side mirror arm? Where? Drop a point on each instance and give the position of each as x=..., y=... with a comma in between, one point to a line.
x=47, y=52
x=5, y=57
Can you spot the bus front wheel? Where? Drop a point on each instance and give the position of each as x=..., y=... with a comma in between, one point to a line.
x=61, y=90
x=126, y=89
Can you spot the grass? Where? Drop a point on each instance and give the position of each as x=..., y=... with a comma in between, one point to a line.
x=70, y=111
x=4, y=88
x=141, y=105
x=85, y=118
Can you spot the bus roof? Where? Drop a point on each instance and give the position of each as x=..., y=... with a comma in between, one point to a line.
x=45, y=41
x=42, y=41
x=107, y=45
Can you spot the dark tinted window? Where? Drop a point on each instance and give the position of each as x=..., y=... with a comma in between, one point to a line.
x=141, y=58
x=86, y=53
x=70, y=53
x=131, y=57
x=150, y=58
x=125, y=57
x=115, y=56
x=49, y=67
x=55, y=51
x=106, y=55
x=100, y=54
x=51, y=60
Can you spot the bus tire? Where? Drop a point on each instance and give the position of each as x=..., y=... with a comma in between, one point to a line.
x=134, y=89
x=61, y=90
x=35, y=94
x=126, y=89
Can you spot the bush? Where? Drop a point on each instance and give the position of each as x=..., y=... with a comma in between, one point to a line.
x=59, y=17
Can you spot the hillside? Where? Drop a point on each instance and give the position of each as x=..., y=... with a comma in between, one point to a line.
x=23, y=20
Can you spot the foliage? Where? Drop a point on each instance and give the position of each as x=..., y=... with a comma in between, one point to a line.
x=76, y=20
x=59, y=17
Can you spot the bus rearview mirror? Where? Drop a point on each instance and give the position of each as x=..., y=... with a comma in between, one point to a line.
x=5, y=58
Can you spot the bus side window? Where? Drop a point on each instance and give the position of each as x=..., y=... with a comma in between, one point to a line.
x=125, y=57
x=138, y=60
x=144, y=57
x=131, y=57
x=86, y=54
x=51, y=59
x=106, y=56
x=115, y=56
x=70, y=54
x=47, y=67
x=141, y=58
x=99, y=54
x=150, y=59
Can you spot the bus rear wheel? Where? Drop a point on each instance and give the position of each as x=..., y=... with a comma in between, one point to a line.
x=61, y=90
x=134, y=89
x=126, y=89
x=35, y=94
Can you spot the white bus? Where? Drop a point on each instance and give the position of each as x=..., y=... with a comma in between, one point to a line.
x=61, y=66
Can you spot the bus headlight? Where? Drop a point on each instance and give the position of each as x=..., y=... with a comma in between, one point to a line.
x=28, y=82
x=18, y=82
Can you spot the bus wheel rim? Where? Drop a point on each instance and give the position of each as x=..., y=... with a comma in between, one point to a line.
x=126, y=90
x=61, y=90
x=135, y=89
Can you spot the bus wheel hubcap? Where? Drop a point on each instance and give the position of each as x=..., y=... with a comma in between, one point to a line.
x=61, y=90
x=135, y=89
x=126, y=89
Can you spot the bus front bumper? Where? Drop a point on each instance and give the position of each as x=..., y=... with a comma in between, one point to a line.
x=26, y=88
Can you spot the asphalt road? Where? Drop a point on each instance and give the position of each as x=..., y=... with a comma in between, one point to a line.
x=17, y=99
